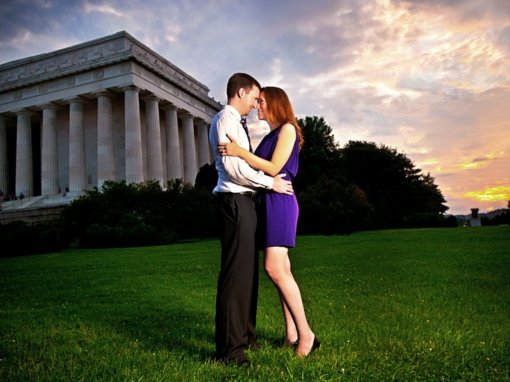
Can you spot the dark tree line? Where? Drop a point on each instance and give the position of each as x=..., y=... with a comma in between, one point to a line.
x=361, y=186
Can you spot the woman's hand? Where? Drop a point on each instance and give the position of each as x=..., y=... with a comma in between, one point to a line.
x=231, y=148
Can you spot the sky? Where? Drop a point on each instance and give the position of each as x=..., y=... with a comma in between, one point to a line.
x=429, y=78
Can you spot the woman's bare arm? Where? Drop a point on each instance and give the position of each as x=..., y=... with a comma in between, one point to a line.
x=281, y=154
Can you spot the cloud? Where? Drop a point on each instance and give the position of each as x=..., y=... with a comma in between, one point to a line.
x=104, y=8
x=30, y=27
x=498, y=193
x=429, y=78
x=460, y=9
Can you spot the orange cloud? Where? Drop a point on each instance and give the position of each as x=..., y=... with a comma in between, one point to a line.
x=490, y=194
x=482, y=161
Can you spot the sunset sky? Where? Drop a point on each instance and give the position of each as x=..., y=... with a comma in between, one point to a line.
x=430, y=78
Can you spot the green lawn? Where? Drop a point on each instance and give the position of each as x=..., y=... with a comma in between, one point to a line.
x=424, y=304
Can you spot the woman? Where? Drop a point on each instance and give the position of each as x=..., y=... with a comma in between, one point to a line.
x=278, y=153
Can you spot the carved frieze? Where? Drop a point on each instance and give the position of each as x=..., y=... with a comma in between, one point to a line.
x=62, y=62
x=95, y=55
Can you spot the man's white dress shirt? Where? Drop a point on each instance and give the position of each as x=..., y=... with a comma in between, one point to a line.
x=234, y=174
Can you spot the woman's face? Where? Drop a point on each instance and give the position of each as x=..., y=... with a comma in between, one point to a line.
x=262, y=111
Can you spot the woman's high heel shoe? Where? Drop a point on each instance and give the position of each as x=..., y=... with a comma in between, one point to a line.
x=316, y=344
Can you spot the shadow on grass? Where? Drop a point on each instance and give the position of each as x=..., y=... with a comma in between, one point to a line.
x=175, y=330
x=152, y=317
x=185, y=331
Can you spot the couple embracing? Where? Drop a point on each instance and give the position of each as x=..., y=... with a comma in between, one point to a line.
x=257, y=210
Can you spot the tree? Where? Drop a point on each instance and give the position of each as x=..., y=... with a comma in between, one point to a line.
x=394, y=187
x=207, y=177
x=328, y=203
x=330, y=207
x=319, y=154
x=361, y=185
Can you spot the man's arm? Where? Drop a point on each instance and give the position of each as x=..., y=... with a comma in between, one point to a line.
x=236, y=168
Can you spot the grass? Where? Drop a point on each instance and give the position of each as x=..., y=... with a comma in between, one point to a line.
x=421, y=305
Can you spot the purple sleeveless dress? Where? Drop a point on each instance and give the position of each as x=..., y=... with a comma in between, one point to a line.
x=277, y=213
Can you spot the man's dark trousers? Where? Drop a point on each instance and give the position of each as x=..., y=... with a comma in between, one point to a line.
x=237, y=293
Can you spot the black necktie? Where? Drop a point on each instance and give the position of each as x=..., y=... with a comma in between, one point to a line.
x=245, y=127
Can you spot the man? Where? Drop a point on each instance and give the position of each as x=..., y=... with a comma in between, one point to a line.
x=237, y=293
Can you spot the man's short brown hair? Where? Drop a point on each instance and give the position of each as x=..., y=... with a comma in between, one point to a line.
x=240, y=81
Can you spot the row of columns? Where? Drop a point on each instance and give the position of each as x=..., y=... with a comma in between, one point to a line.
x=193, y=156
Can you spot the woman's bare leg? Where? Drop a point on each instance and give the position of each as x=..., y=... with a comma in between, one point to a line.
x=277, y=266
x=291, y=334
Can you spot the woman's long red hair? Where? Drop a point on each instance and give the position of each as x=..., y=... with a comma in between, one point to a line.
x=279, y=110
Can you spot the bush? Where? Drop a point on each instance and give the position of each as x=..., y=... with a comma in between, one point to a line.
x=122, y=214
x=20, y=238
x=138, y=235
x=428, y=220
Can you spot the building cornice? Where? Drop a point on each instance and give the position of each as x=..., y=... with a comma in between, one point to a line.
x=93, y=54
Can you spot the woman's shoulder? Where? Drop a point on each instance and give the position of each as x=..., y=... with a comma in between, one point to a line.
x=287, y=129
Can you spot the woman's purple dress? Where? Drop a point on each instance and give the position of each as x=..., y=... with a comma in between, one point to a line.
x=278, y=213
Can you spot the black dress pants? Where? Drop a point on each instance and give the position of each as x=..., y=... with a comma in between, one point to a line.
x=237, y=293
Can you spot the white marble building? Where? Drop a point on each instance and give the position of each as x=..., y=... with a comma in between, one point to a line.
x=110, y=108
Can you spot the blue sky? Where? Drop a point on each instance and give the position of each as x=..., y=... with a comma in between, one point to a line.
x=429, y=78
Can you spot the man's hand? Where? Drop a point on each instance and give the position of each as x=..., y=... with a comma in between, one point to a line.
x=281, y=185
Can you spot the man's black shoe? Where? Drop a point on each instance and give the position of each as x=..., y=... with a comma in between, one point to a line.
x=238, y=359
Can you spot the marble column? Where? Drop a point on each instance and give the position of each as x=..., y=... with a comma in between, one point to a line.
x=173, y=156
x=190, y=155
x=77, y=164
x=154, y=153
x=24, y=166
x=105, y=156
x=49, y=152
x=4, y=169
x=133, y=142
x=203, y=144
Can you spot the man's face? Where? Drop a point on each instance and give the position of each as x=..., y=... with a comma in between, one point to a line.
x=250, y=99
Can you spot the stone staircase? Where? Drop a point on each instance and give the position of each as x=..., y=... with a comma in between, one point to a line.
x=35, y=209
